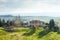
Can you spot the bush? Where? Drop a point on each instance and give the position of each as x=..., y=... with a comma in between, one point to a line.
x=55, y=29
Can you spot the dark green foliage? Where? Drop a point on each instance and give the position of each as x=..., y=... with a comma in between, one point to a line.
x=11, y=22
x=43, y=33
x=8, y=23
x=51, y=24
x=32, y=31
x=47, y=24
x=56, y=29
x=0, y=23
x=3, y=22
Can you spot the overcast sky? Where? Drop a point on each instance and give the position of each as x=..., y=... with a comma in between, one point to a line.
x=30, y=7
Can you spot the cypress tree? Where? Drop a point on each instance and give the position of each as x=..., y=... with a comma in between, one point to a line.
x=51, y=24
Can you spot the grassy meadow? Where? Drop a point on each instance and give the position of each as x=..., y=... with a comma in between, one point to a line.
x=28, y=34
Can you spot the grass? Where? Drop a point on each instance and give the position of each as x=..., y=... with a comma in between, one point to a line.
x=28, y=34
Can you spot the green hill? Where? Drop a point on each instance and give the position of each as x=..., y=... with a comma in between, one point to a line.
x=28, y=34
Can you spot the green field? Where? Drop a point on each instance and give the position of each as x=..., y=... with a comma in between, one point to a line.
x=28, y=34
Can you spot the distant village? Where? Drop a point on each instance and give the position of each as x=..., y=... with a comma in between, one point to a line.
x=18, y=22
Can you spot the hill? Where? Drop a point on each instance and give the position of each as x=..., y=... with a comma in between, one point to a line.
x=38, y=34
x=6, y=16
x=29, y=18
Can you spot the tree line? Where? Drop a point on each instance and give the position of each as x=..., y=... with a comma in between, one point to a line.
x=6, y=23
x=51, y=25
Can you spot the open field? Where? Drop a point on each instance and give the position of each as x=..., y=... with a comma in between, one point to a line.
x=28, y=34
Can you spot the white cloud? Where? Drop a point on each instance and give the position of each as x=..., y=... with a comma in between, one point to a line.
x=3, y=0
x=29, y=7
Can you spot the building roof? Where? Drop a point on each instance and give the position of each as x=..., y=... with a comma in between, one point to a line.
x=36, y=21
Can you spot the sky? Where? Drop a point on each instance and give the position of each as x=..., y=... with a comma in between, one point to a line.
x=30, y=7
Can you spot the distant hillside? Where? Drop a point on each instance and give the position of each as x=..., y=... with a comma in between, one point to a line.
x=6, y=16
x=42, y=18
x=29, y=18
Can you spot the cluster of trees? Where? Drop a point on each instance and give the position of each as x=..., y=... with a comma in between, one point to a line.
x=52, y=25
x=7, y=23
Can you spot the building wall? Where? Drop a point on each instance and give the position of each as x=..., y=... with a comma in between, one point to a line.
x=36, y=23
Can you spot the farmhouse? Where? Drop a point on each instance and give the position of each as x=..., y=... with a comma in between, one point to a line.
x=36, y=23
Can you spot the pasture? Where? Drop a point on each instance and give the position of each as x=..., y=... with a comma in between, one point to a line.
x=28, y=34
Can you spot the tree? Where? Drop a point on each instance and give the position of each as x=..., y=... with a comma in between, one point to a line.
x=0, y=23
x=11, y=22
x=3, y=22
x=47, y=24
x=51, y=24
x=8, y=23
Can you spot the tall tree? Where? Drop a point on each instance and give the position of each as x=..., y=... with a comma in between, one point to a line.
x=8, y=23
x=51, y=24
x=0, y=23
x=3, y=22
